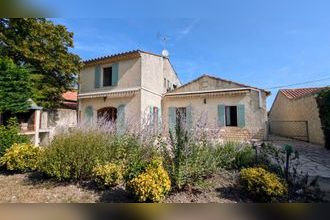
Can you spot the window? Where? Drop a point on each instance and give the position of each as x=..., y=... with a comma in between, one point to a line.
x=107, y=76
x=174, y=86
x=165, y=83
x=181, y=115
x=231, y=115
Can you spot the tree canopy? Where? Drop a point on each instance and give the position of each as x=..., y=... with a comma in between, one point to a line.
x=14, y=87
x=44, y=47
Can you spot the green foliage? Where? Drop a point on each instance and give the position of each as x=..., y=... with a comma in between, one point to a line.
x=21, y=157
x=74, y=155
x=323, y=102
x=188, y=162
x=9, y=135
x=261, y=185
x=44, y=46
x=108, y=175
x=152, y=184
x=14, y=87
x=232, y=155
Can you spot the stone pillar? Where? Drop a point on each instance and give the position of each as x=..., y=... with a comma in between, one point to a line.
x=36, y=127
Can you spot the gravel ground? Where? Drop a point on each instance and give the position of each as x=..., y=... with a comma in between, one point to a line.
x=33, y=188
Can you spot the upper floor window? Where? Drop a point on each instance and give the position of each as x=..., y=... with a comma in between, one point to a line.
x=165, y=83
x=107, y=76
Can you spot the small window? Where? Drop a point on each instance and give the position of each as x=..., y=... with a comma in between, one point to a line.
x=181, y=115
x=107, y=76
x=231, y=115
x=165, y=83
x=174, y=86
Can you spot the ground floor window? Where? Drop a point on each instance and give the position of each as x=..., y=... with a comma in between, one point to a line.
x=181, y=114
x=231, y=115
x=108, y=114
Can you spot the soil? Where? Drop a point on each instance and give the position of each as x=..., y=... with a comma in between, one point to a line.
x=35, y=188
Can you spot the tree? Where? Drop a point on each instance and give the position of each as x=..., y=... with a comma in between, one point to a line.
x=14, y=87
x=323, y=102
x=44, y=47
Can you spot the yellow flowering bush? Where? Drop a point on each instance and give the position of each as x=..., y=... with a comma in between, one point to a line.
x=152, y=184
x=109, y=174
x=262, y=185
x=21, y=157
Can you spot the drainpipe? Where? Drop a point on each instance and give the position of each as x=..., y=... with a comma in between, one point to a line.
x=259, y=96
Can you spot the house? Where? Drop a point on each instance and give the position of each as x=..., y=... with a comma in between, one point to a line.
x=125, y=87
x=41, y=124
x=295, y=114
x=138, y=85
x=237, y=110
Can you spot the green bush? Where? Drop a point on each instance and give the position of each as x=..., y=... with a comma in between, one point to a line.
x=21, y=157
x=74, y=155
x=323, y=103
x=233, y=156
x=152, y=184
x=108, y=175
x=9, y=135
x=188, y=161
x=261, y=185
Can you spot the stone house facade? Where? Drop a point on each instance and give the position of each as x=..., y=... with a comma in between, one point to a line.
x=295, y=112
x=138, y=85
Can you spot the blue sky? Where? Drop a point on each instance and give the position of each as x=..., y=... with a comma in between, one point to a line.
x=259, y=44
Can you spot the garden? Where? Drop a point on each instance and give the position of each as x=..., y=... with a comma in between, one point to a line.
x=95, y=164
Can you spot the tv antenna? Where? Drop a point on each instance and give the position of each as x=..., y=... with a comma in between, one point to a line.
x=163, y=39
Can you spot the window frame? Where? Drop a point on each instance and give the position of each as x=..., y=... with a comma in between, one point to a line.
x=102, y=73
x=231, y=124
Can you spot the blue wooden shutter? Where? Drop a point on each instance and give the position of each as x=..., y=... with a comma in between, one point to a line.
x=89, y=114
x=241, y=116
x=221, y=115
x=115, y=70
x=121, y=119
x=151, y=115
x=189, y=120
x=171, y=118
x=97, y=76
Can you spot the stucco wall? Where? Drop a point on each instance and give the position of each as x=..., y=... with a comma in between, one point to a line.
x=154, y=69
x=207, y=83
x=132, y=106
x=129, y=75
x=255, y=117
x=301, y=109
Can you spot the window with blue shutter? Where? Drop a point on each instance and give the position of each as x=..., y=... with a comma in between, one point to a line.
x=89, y=114
x=221, y=115
x=121, y=119
x=189, y=119
x=115, y=72
x=97, y=76
x=171, y=118
x=241, y=116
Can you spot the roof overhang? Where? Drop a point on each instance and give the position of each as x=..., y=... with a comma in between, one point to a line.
x=216, y=92
x=111, y=93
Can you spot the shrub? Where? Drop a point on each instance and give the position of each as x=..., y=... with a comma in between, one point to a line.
x=188, y=161
x=152, y=184
x=74, y=155
x=261, y=185
x=9, y=135
x=21, y=157
x=232, y=155
x=109, y=174
x=323, y=103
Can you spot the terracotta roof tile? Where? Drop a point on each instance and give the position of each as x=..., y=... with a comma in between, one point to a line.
x=70, y=96
x=300, y=92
